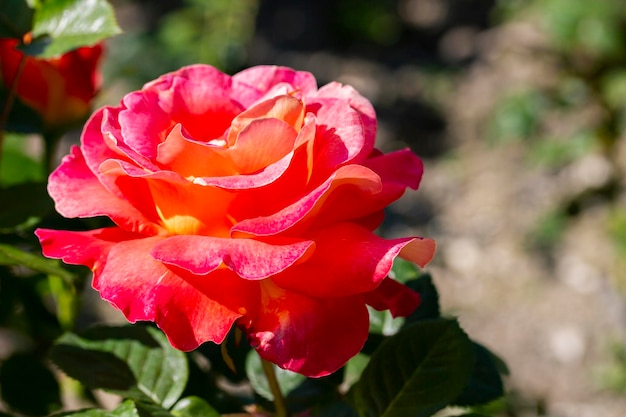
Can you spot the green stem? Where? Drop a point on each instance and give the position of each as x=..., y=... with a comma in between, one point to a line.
x=279, y=400
x=8, y=104
x=51, y=142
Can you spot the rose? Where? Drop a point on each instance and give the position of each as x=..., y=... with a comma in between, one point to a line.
x=60, y=89
x=246, y=200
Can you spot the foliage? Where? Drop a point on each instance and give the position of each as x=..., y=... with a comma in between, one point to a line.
x=223, y=28
x=60, y=26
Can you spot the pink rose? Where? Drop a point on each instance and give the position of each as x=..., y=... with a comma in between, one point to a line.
x=246, y=200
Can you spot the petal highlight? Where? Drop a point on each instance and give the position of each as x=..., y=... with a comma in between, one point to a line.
x=250, y=259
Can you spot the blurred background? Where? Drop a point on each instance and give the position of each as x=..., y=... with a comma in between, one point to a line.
x=518, y=109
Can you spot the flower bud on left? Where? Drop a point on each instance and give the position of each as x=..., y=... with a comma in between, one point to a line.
x=59, y=89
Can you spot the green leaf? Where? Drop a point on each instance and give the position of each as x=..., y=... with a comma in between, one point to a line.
x=16, y=18
x=286, y=379
x=28, y=201
x=28, y=386
x=105, y=370
x=18, y=164
x=193, y=407
x=149, y=409
x=127, y=408
x=354, y=368
x=429, y=305
x=65, y=300
x=415, y=372
x=63, y=25
x=132, y=361
x=10, y=255
x=403, y=270
x=485, y=384
x=382, y=322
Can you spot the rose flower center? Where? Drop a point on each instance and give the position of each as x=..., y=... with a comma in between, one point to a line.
x=255, y=139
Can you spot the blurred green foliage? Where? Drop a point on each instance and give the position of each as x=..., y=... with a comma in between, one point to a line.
x=215, y=32
x=617, y=228
x=17, y=164
x=209, y=32
x=594, y=28
x=579, y=110
x=518, y=116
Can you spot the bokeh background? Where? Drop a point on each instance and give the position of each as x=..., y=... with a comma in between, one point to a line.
x=518, y=109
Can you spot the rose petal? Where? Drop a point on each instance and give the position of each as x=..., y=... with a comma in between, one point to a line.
x=275, y=187
x=336, y=91
x=397, y=170
x=190, y=311
x=348, y=260
x=88, y=248
x=191, y=158
x=105, y=126
x=179, y=97
x=420, y=250
x=260, y=144
x=180, y=206
x=310, y=336
x=211, y=77
x=144, y=289
x=304, y=209
x=250, y=259
x=260, y=179
x=205, y=110
x=192, y=209
x=400, y=169
x=285, y=108
x=78, y=193
x=262, y=78
x=105, y=153
x=111, y=169
x=144, y=122
x=96, y=146
x=391, y=295
x=340, y=137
